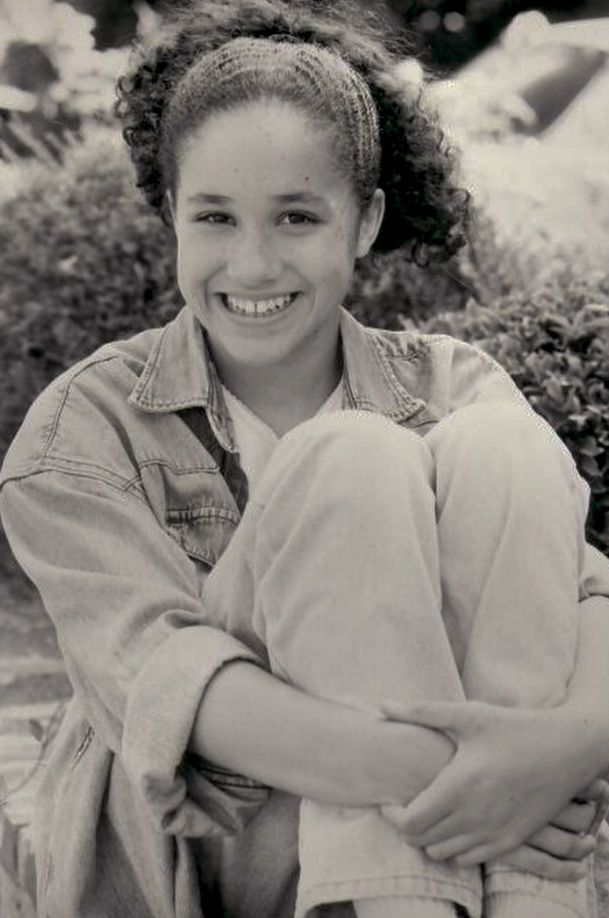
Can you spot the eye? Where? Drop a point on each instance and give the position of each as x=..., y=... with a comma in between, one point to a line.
x=298, y=218
x=214, y=218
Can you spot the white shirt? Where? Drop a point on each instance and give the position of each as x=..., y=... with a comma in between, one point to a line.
x=255, y=440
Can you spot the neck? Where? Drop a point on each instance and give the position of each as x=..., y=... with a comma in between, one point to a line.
x=288, y=393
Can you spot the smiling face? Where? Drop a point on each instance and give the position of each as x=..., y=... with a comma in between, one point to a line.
x=268, y=232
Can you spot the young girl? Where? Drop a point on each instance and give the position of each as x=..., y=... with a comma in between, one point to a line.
x=282, y=550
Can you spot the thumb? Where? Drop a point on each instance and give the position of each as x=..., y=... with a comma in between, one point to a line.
x=452, y=717
x=431, y=807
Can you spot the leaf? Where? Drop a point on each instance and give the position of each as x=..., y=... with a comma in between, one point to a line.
x=554, y=389
x=589, y=466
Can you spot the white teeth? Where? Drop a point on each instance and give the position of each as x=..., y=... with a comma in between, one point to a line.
x=257, y=307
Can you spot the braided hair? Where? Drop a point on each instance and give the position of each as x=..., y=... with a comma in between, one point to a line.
x=340, y=68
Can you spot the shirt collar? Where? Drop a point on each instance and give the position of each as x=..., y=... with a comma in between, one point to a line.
x=179, y=373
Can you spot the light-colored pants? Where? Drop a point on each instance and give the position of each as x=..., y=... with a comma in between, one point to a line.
x=380, y=564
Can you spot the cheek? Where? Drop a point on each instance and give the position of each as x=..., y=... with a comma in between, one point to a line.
x=196, y=260
x=331, y=256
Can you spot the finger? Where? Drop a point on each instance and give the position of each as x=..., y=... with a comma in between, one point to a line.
x=485, y=852
x=531, y=860
x=450, y=827
x=498, y=849
x=435, y=803
x=561, y=844
x=602, y=812
x=597, y=791
x=396, y=814
x=451, y=848
x=576, y=817
x=449, y=716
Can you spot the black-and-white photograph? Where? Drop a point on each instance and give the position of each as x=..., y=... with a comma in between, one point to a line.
x=304, y=459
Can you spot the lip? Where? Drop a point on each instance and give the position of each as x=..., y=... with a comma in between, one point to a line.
x=254, y=298
x=258, y=318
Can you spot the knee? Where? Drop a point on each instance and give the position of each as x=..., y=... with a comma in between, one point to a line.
x=350, y=447
x=356, y=438
x=494, y=429
x=505, y=437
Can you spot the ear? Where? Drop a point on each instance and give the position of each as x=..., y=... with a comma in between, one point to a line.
x=370, y=223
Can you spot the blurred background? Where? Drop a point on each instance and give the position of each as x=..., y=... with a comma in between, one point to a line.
x=522, y=89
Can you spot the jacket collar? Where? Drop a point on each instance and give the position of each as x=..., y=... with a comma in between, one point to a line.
x=179, y=373
x=371, y=383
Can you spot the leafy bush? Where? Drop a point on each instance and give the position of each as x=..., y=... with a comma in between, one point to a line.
x=555, y=344
x=83, y=263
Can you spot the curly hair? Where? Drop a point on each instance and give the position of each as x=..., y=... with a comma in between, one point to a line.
x=426, y=212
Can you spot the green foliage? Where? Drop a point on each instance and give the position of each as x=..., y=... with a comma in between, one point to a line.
x=555, y=344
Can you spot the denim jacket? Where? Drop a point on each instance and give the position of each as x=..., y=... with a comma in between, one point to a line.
x=119, y=493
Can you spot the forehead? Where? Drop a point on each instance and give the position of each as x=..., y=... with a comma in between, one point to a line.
x=262, y=148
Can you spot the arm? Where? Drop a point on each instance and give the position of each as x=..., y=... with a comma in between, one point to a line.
x=474, y=376
x=495, y=794
x=157, y=681
x=549, y=850
x=309, y=746
x=589, y=687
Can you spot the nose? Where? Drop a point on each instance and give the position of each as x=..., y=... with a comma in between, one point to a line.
x=253, y=261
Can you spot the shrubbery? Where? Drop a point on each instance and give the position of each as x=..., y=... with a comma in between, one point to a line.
x=84, y=262
x=554, y=342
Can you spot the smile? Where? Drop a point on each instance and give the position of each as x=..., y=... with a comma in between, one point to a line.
x=257, y=308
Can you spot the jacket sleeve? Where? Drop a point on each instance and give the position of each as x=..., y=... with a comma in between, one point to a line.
x=135, y=636
x=474, y=377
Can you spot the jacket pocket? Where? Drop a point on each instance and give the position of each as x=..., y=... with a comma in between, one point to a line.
x=222, y=777
x=203, y=532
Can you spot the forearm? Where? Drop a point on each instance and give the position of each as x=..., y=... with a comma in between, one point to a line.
x=589, y=686
x=255, y=724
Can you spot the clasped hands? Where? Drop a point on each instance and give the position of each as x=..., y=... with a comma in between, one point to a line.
x=522, y=788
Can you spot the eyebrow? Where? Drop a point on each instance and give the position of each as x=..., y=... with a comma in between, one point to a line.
x=203, y=197
x=303, y=196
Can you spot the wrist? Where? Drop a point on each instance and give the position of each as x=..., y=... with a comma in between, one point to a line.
x=408, y=758
x=585, y=722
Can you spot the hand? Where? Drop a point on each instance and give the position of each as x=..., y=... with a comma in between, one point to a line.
x=557, y=852
x=503, y=785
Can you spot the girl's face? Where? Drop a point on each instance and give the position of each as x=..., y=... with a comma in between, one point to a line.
x=268, y=232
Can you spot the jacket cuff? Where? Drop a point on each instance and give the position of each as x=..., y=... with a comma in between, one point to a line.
x=161, y=710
